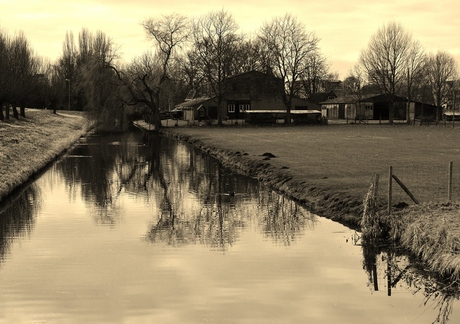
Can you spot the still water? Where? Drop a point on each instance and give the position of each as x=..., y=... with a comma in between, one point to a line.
x=128, y=229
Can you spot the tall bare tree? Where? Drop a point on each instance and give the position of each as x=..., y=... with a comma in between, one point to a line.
x=353, y=87
x=96, y=81
x=386, y=61
x=441, y=68
x=416, y=61
x=68, y=64
x=215, y=39
x=23, y=70
x=4, y=70
x=146, y=77
x=316, y=72
x=54, y=86
x=290, y=47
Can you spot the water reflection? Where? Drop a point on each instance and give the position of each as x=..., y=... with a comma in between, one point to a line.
x=390, y=267
x=17, y=216
x=284, y=220
x=216, y=240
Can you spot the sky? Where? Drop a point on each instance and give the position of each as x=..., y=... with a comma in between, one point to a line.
x=343, y=26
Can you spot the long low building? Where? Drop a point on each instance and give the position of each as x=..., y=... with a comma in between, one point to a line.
x=376, y=108
x=273, y=116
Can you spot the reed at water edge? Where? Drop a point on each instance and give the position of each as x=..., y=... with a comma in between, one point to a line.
x=431, y=231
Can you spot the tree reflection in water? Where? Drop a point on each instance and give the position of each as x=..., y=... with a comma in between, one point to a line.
x=102, y=171
x=393, y=266
x=283, y=220
x=203, y=203
x=17, y=216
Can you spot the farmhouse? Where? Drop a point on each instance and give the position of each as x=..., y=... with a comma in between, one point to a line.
x=252, y=96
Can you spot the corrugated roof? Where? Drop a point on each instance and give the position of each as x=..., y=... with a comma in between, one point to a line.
x=192, y=102
x=384, y=98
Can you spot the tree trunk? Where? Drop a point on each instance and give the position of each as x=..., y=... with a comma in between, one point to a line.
x=287, y=121
x=438, y=109
x=288, y=105
x=15, y=112
x=155, y=108
x=7, y=112
x=23, y=110
x=391, y=113
x=220, y=112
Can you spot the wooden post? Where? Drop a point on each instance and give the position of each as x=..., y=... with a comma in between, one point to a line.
x=449, y=185
x=390, y=188
x=388, y=273
x=406, y=190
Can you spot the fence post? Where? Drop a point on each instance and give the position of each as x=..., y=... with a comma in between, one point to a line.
x=390, y=188
x=449, y=185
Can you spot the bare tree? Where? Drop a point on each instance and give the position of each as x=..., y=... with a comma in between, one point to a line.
x=54, y=86
x=215, y=40
x=416, y=61
x=23, y=70
x=386, y=61
x=96, y=81
x=248, y=56
x=290, y=47
x=317, y=71
x=441, y=68
x=68, y=65
x=353, y=87
x=146, y=77
x=4, y=70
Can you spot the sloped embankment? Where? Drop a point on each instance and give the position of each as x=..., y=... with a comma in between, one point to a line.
x=334, y=205
x=29, y=144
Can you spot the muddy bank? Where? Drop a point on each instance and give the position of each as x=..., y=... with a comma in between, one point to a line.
x=340, y=207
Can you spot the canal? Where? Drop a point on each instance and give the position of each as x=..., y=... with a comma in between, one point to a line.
x=130, y=229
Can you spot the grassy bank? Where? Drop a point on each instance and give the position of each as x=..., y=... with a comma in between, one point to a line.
x=329, y=168
x=29, y=144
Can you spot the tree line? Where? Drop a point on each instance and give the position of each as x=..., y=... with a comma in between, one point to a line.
x=396, y=64
x=199, y=54
x=188, y=54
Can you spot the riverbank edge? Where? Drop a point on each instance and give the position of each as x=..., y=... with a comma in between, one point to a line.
x=336, y=206
x=55, y=151
x=434, y=250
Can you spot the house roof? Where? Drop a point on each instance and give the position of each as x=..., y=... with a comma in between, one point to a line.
x=252, y=72
x=192, y=103
x=383, y=98
x=320, y=96
x=340, y=100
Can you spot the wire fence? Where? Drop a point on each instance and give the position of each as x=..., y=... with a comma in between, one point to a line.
x=411, y=183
